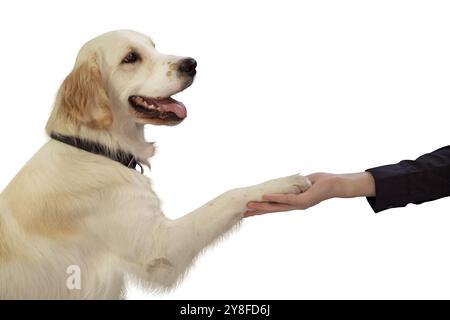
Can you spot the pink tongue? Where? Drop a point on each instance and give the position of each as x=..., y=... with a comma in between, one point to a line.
x=172, y=105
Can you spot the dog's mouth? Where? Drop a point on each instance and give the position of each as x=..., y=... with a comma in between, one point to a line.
x=161, y=111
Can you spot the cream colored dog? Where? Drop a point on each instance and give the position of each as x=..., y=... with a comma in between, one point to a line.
x=77, y=218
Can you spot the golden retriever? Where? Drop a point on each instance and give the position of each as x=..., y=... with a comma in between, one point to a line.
x=78, y=217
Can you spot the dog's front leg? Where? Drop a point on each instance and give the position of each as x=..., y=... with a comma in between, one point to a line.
x=184, y=238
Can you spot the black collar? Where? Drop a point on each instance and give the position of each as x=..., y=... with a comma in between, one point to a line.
x=125, y=158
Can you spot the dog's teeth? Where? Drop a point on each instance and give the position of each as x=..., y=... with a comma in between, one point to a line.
x=145, y=103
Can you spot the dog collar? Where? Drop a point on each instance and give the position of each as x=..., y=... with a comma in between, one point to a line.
x=125, y=158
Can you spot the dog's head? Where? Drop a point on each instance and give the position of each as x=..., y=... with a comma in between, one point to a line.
x=119, y=79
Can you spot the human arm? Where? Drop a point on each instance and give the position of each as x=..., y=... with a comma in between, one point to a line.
x=323, y=186
x=409, y=181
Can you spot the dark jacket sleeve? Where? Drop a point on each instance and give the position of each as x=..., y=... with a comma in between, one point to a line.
x=425, y=179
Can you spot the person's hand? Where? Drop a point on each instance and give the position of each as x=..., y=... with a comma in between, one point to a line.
x=324, y=186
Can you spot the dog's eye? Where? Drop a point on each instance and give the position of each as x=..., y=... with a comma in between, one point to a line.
x=131, y=57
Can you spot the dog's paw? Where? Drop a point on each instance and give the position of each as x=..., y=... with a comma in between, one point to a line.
x=290, y=184
x=241, y=196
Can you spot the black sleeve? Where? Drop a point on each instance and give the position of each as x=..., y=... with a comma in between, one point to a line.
x=425, y=179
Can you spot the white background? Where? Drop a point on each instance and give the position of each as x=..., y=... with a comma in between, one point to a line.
x=282, y=87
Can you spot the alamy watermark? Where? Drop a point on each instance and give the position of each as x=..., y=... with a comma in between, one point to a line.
x=73, y=281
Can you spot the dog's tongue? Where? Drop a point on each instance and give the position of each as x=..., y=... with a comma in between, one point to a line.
x=172, y=105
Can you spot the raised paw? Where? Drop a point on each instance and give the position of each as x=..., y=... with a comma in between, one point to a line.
x=290, y=184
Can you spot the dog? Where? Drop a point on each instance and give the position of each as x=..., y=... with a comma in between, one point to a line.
x=79, y=216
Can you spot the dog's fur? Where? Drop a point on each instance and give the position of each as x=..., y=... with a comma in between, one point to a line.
x=68, y=207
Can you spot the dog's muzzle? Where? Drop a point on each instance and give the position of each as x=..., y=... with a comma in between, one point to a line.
x=187, y=67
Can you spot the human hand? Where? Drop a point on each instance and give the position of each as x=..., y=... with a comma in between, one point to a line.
x=324, y=186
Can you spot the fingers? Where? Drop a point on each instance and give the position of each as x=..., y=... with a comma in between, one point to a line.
x=255, y=212
x=278, y=202
x=251, y=213
x=289, y=201
x=281, y=198
x=268, y=206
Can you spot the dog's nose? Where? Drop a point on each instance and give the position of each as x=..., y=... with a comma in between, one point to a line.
x=187, y=66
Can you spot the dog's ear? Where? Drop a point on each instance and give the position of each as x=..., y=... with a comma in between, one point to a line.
x=82, y=97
